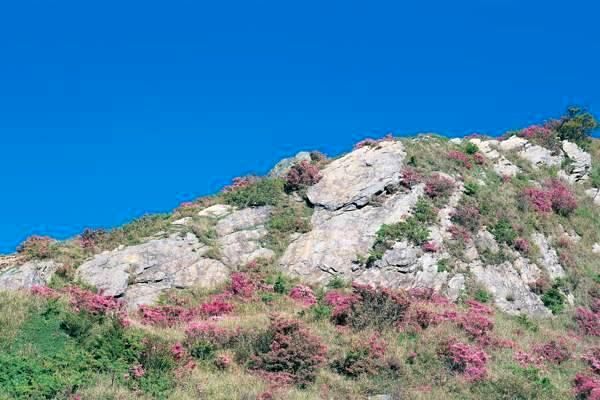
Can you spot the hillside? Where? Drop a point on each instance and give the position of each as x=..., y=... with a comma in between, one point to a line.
x=409, y=268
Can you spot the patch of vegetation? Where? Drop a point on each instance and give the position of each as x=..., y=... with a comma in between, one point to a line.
x=262, y=192
x=554, y=300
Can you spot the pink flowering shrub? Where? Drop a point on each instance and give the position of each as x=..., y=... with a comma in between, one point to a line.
x=303, y=295
x=36, y=247
x=165, y=315
x=206, y=331
x=588, y=321
x=592, y=357
x=430, y=247
x=242, y=285
x=522, y=245
x=137, y=371
x=410, y=177
x=241, y=182
x=586, y=387
x=460, y=157
x=467, y=216
x=553, y=351
x=341, y=304
x=85, y=300
x=543, y=135
x=178, y=351
x=216, y=307
x=467, y=360
x=373, y=142
x=475, y=321
x=301, y=175
x=438, y=186
x=526, y=359
x=223, y=361
x=90, y=238
x=293, y=350
x=479, y=159
x=44, y=291
x=365, y=357
x=459, y=233
x=554, y=196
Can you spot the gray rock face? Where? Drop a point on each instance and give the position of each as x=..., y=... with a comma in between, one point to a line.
x=216, y=211
x=283, y=166
x=512, y=143
x=581, y=161
x=402, y=256
x=140, y=273
x=549, y=258
x=540, y=156
x=24, y=276
x=502, y=166
x=351, y=181
x=594, y=194
x=511, y=294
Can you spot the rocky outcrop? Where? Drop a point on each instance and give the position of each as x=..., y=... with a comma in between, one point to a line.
x=351, y=182
x=548, y=257
x=510, y=291
x=140, y=273
x=24, y=276
x=580, y=161
x=502, y=166
x=594, y=194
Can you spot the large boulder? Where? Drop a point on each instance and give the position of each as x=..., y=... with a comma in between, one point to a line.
x=352, y=181
x=510, y=292
x=548, y=256
x=580, y=161
x=15, y=275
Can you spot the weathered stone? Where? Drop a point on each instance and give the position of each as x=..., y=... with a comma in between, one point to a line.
x=511, y=294
x=487, y=147
x=549, y=258
x=24, y=276
x=594, y=194
x=283, y=166
x=596, y=248
x=456, y=285
x=512, y=143
x=352, y=180
x=581, y=161
x=182, y=221
x=503, y=167
x=216, y=211
x=402, y=256
x=244, y=219
x=486, y=241
x=540, y=156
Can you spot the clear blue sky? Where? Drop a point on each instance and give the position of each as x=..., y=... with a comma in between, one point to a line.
x=109, y=110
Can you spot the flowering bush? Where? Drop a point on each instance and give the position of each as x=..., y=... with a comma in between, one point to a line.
x=522, y=245
x=461, y=158
x=36, y=247
x=223, y=361
x=303, y=295
x=293, y=350
x=216, y=307
x=165, y=315
x=89, y=238
x=242, y=285
x=206, y=331
x=586, y=387
x=465, y=359
x=475, y=321
x=479, y=159
x=373, y=142
x=593, y=359
x=85, y=300
x=588, y=321
x=459, y=233
x=301, y=175
x=553, y=351
x=438, y=186
x=554, y=196
x=410, y=177
x=364, y=358
x=241, y=182
x=467, y=216
x=178, y=351
x=430, y=247
x=137, y=371
x=44, y=291
x=341, y=304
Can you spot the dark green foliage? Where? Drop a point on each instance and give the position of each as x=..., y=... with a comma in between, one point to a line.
x=554, y=300
x=504, y=232
x=320, y=312
x=576, y=125
x=203, y=350
x=424, y=212
x=471, y=148
x=287, y=218
x=263, y=192
x=337, y=282
x=471, y=188
x=482, y=296
x=281, y=285
x=595, y=177
x=411, y=229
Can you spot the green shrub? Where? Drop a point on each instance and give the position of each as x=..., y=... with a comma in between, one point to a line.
x=554, y=300
x=471, y=148
x=281, y=285
x=424, y=211
x=576, y=125
x=263, y=192
x=504, y=232
x=471, y=188
x=482, y=295
x=411, y=229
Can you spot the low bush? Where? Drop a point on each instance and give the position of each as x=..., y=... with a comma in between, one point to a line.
x=467, y=216
x=365, y=357
x=586, y=387
x=555, y=352
x=554, y=300
x=292, y=350
x=439, y=187
x=553, y=196
x=588, y=321
x=465, y=359
x=504, y=232
x=460, y=158
x=410, y=177
x=302, y=175
x=261, y=192
x=36, y=247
